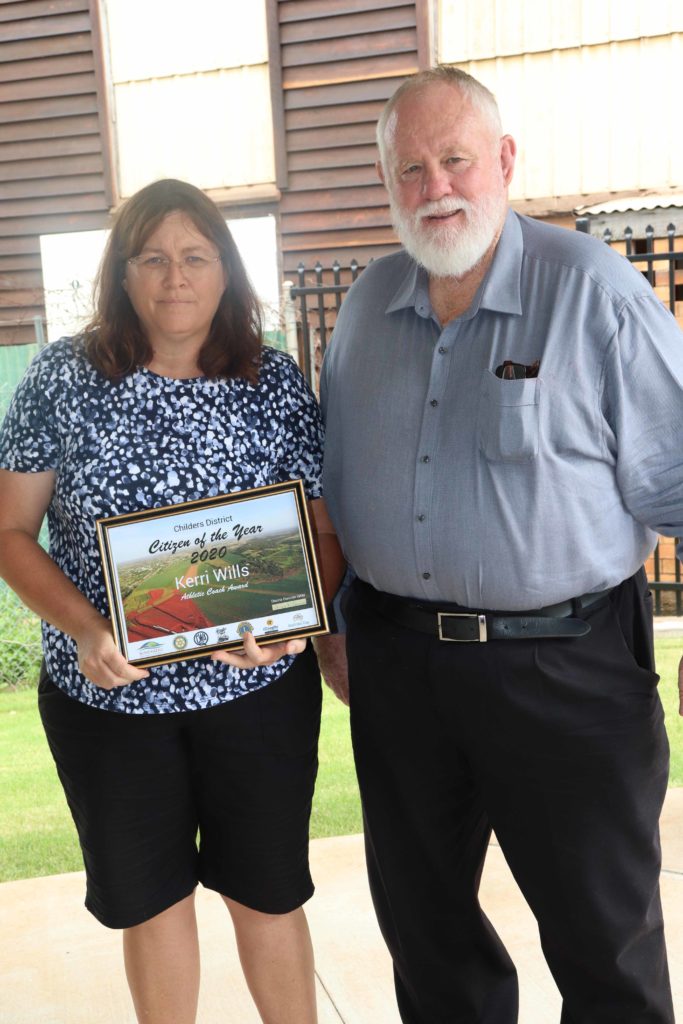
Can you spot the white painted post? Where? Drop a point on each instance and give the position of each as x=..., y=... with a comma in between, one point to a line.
x=289, y=310
x=39, y=331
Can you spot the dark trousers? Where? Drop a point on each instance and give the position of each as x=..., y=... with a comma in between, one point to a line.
x=559, y=746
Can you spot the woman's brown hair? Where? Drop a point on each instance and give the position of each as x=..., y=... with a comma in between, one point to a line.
x=115, y=342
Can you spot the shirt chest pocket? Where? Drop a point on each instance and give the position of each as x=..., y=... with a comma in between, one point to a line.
x=509, y=418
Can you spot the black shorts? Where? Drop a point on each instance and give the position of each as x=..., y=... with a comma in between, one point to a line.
x=221, y=796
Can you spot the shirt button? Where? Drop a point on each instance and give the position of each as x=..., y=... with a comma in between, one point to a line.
x=421, y=517
x=425, y=458
x=426, y=575
x=442, y=350
x=433, y=403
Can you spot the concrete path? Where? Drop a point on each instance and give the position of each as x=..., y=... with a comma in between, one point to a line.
x=58, y=966
x=668, y=627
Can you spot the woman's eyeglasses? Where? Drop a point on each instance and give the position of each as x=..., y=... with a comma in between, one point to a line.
x=192, y=264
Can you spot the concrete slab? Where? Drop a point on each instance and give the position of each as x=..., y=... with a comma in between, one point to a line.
x=666, y=626
x=60, y=967
x=671, y=829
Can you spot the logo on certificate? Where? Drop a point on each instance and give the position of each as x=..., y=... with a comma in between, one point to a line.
x=180, y=643
x=244, y=627
x=201, y=638
x=151, y=645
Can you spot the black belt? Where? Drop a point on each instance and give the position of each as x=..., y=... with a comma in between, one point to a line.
x=451, y=622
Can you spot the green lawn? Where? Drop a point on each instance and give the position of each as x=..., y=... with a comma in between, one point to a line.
x=36, y=833
x=669, y=653
x=37, y=836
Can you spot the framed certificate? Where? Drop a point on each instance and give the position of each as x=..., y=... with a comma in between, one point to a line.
x=188, y=579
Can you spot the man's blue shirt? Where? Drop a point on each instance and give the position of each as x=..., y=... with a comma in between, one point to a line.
x=448, y=483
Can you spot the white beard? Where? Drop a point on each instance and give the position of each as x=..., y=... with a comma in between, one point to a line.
x=453, y=249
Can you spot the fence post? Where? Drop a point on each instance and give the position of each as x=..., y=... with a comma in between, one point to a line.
x=39, y=331
x=289, y=311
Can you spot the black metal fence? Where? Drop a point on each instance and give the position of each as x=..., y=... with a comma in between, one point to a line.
x=662, y=265
x=318, y=303
x=318, y=296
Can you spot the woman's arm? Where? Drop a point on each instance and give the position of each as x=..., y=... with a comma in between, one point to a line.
x=43, y=587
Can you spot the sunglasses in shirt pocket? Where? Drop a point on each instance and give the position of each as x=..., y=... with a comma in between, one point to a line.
x=509, y=418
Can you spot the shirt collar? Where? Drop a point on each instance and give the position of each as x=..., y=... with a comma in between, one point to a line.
x=501, y=288
x=499, y=291
x=413, y=290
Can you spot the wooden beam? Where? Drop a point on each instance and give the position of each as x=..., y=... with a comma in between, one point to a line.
x=360, y=23
x=325, y=117
x=59, y=85
x=425, y=18
x=276, y=97
x=35, y=28
x=66, y=165
x=46, y=149
x=103, y=87
x=305, y=10
x=341, y=93
x=354, y=198
x=39, y=9
x=38, y=108
x=47, y=67
x=50, y=128
x=349, y=47
x=24, y=49
x=342, y=71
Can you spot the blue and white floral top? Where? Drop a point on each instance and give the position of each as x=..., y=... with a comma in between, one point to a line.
x=143, y=442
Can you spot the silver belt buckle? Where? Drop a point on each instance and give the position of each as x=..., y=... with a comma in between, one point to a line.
x=462, y=615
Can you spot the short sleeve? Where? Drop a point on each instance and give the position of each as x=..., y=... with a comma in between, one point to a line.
x=302, y=430
x=29, y=436
x=643, y=400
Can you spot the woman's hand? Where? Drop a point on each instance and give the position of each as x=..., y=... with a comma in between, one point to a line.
x=253, y=656
x=100, y=660
x=43, y=587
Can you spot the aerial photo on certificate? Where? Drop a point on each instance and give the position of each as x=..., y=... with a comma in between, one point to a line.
x=201, y=576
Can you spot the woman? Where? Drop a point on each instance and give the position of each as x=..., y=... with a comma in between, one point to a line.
x=169, y=396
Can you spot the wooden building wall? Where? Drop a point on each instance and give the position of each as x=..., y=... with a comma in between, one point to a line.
x=339, y=61
x=54, y=153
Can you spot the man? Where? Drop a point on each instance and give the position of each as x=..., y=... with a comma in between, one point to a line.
x=504, y=405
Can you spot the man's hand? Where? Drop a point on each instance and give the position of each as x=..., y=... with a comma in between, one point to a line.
x=680, y=687
x=253, y=656
x=331, y=651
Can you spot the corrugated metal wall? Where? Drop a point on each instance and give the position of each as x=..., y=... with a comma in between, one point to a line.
x=592, y=116
x=478, y=29
x=589, y=90
x=340, y=60
x=192, y=93
x=53, y=167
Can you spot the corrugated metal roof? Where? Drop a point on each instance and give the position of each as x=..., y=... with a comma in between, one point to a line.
x=658, y=201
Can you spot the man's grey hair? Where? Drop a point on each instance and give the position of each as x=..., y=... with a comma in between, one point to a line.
x=481, y=98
